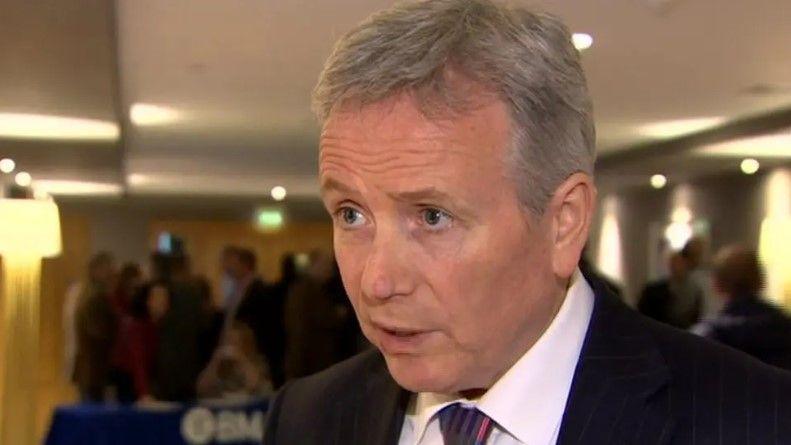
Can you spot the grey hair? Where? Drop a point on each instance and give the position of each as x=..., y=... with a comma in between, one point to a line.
x=526, y=59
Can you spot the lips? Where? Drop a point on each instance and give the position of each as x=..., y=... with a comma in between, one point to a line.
x=399, y=340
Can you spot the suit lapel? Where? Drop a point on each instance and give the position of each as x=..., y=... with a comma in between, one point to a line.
x=379, y=410
x=618, y=394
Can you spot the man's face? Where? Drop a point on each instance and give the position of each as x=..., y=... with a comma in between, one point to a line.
x=231, y=265
x=448, y=276
x=105, y=273
x=225, y=261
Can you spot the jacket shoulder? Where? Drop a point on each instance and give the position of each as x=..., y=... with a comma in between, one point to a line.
x=306, y=407
x=341, y=378
x=697, y=365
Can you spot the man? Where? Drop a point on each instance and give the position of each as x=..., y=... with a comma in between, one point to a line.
x=676, y=300
x=695, y=253
x=95, y=327
x=456, y=159
x=228, y=262
x=260, y=311
x=746, y=322
x=177, y=362
x=317, y=319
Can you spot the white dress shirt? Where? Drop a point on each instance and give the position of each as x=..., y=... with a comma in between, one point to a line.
x=528, y=401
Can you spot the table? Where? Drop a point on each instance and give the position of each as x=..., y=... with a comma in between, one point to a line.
x=239, y=423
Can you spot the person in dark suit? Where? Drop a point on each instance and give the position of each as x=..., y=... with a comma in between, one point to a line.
x=747, y=322
x=456, y=159
x=317, y=320
x=96, y=326
x=676, y=300
x=177, y=360
x=262, y=312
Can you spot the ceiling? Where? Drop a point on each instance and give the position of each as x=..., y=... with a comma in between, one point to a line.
x=237, y=76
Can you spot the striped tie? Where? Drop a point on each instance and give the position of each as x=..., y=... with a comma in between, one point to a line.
x=464, y=426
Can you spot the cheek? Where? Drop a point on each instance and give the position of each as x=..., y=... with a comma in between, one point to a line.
x=491, y=284
x=350, y=263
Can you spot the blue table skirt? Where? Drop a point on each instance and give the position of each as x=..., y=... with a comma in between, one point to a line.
x=226, y=424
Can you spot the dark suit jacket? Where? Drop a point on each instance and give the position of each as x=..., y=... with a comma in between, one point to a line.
x=637, y=382
x=262, y=311
x=755, y=327
x=658, y=301
x=178, y=358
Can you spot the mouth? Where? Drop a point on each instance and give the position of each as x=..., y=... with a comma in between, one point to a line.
x=397, y=340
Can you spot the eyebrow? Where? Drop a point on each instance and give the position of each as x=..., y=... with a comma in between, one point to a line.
x=422, y=194
x=427, y=193
x=332, y=184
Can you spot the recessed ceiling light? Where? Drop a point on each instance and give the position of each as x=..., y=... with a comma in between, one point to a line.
x=23, y=179
x=679, y=127
x=581, y=41
x=149, y=114
x=40, y=126
x=750, y=166
x=138, y=179
x=658, y=181
x=765, y=146
x=77, y=188
x=278, y=193
x=7, y=165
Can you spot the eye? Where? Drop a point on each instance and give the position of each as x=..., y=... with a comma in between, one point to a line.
x=350, y=217
x=435, y=219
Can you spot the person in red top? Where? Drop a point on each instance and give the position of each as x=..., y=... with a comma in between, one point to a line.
x=139, y=341
x=129, y=282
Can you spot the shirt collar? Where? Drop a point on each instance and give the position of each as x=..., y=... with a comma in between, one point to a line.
x=528, y=401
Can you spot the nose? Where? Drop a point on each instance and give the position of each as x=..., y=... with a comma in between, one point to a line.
x=387, y=268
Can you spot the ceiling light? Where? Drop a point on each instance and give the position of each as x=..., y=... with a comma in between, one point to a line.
x=764, y=146
x=679, y=127
x=77, y=188
x=7, y=165
x=138, y=179
x=23, y=179
x=750, y=166
x=39, y=126
x=581, y=41
x=658, y=181
x=149, y=114
x=278, y=193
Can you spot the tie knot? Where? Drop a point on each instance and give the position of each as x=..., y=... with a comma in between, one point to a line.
x=462, y=425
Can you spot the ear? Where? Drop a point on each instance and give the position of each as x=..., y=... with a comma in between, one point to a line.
x=571, y=208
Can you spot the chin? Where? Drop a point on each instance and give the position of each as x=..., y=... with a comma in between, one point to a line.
x=419, y=373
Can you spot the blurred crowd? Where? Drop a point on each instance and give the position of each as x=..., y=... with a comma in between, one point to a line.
x=721, y=298
x=135, y=337
x=132, y=337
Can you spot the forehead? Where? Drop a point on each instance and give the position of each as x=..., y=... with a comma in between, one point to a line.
x=394, y=135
